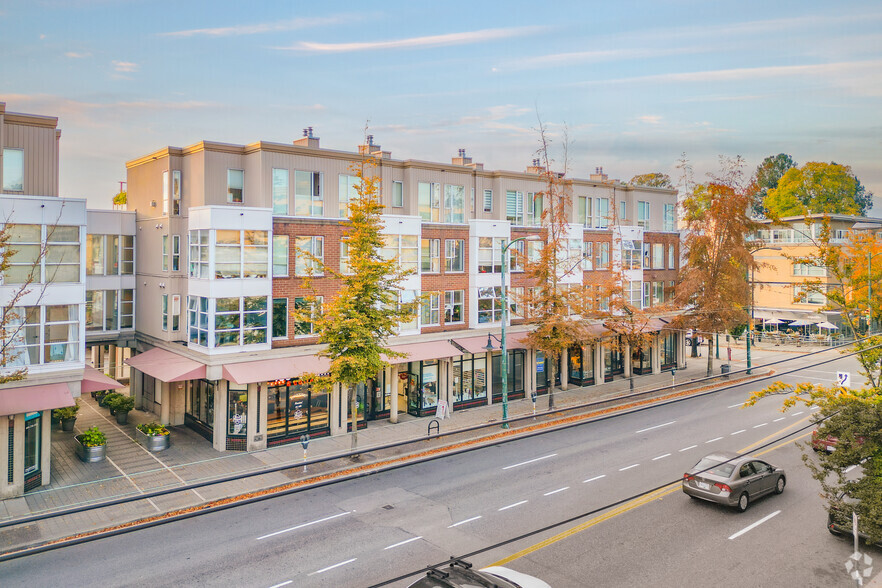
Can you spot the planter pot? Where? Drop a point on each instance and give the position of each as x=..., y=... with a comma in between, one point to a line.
x=90, y=454
x=153, y=442
x=100, y=399
x=67, y=425
x=122, y=417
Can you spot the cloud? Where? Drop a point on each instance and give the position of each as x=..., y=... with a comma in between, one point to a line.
x=467, y=38
x=75, y=55
x=125, y=66
x=650, y=119
x=267, y=27
x=606, y=55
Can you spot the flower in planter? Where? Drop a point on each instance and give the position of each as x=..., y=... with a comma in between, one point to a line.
x=92, y=437
x=153, y=429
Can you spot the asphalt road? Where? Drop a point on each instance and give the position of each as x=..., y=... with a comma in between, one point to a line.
x=365, y=531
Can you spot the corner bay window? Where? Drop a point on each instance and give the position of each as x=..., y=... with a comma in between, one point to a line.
x=490, y=304
x=42, y=334
x=490, y=255
x=240, y=321
x=58, y=262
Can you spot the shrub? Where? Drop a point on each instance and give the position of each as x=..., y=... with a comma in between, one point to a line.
x=106, y=399
x=121, y=403
x=92, y=437
x=68, y=412
x=152, y=429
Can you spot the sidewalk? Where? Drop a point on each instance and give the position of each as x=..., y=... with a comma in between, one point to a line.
x=130, y=469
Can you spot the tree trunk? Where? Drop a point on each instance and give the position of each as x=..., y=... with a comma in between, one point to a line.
x=710, y=356
x=551, y=372
x=694, y=346
x=353, y=411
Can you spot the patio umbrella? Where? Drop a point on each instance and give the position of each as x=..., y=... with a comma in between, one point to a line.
x=772, y=321
x=801, y=323
x=826, y=325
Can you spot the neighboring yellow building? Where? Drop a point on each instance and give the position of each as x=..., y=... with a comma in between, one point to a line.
x=779, y=283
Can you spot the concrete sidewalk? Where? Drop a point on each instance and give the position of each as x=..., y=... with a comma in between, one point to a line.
x=130, y=469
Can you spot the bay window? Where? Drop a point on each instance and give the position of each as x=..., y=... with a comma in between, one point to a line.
x=490, y=304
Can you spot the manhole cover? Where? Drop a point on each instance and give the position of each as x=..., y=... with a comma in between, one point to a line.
x=388, y=507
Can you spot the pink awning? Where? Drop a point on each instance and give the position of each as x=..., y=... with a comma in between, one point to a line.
x=34, y=398
x=423, y=351
x=93, y=380
x=268, y=370
x=479, y=344
x=167, y=366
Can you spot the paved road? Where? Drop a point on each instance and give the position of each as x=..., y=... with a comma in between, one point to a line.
x=364, y=531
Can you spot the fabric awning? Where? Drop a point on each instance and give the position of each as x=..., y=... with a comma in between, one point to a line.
x=801, y=323
x=424, y=351
x=93, y=380
x=479, y=344
x=34, y=398
x=282, y=368
x=167, y=366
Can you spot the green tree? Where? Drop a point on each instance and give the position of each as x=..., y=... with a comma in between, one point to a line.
x=818, y=188
x=120, y=198
x=653, y=180
x=766, y=177
x=355, y=325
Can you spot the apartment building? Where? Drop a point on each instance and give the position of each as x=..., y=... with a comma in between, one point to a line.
x=222, y=231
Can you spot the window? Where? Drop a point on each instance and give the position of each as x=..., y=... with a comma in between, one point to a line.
x=237, y=409
x=647, y=255
x=429, y=200
x=631, y=254
x=489, y=255
x=397, y=194
x=587, y=256
x=111, y=259
x=574, y=255
x=280, y=318
x=583, y=211
x=102, y=310
x=405, y=247
x=13, y=170
x=165, y=253
x=62, y=260
x=127, y=252
x=61, y=333
x=671, y=290
x=308, y=199
x=601, y=211
x=431, y=309
x=280, y=256
x=488, y=200
x=534, y=208
x=802, y=295
x=453, y=255
x=166, y=193
x=453, y=306
x=534, y=251
x=601, y=256
x=228, y=249
x=127, y=309
x=671, y=261
x=199, y=254
x=647, y=294
x=176, y=192
x=176, y=253
x=658, y=293
x=165, y=312
x=240, y=321
x=514, y=207
x=516, y=256
x=280, y=191
x=454, y=204
x=669, y=220
x=658, y=256
x=643, y=214
x=430, y=255
x=32, y=443
x=807, y=269
x=176, y=312
x=198, y=310
x=235, y=186
x=490, y=304
x=344, y=258
x=311, y=308
x=623, y=211
x=309, y=256
x=409, y=298
x=240, y=254
x=347, y=191
x=95, y=255
x=632, y=292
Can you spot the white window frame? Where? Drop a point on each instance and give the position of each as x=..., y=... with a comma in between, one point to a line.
x=454, y=251
x=278, y=246
x=313, y=245
x=433, y=208
x=235, y=194
x=314, y=202
x=430, y=309
x=488, y=201
x=433, y=248
x=397, y=194
x=452, y=300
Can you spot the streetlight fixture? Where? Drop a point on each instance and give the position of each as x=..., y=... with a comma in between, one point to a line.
x=503, y=343
x=750, y=314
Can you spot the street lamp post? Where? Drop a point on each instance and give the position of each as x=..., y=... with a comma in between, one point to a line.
x=750, y=314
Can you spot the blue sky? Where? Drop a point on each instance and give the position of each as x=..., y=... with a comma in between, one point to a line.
x=635, y=83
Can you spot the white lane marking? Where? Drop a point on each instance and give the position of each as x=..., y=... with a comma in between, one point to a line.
x=734, y=405
x=342, y=563
x=714, y=439
x=464, y=522
x=513, y=505
x=814, y=408
x=754, y=525
x=556, y=491
x=849, y=468
x=655, y=427
x=634, y=465
x=282, y=584
x=529, y=461
x=305, y=525
x=780, y=419
x=736, y=432
x=400, y=543
x=760, y=425
x=661, y=456
x=594, y=478
x=798, y=413
x=688, y=448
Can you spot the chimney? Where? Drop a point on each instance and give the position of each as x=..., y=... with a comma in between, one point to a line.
x=461, y=158
x=598, y=175
x=371, y=148
x=307, y=140
x=536, y=168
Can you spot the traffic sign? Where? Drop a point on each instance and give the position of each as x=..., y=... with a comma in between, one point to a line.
x=843, y=379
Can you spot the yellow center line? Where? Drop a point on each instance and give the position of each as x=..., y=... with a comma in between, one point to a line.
x=775, y=434
x=638, y=502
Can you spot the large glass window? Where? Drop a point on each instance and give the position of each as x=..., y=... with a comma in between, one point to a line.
x=309, y=256
x=430, y=304
x=516, y=364
x=240, y=254
x=429, y=201
x=308, y=194
x=430, y=255
x=200, y=405
x=454, y=306
x=26, y=244
x=601, y=255
x=237, y=413
x=103, y=312
x=199, y=254
x=601, y=211
x=668, y=350
x=514, y=207
x=61, y=333
x=23, y=328
x=240, y=321
x=32, y=443
x=310, y=308
x=198, y=310
x=280, y=318
x=583, y=211
x=62, y=261
x=235, y=186
x=669, y=220
x=280, y=192
x=228, y=250
x=489, y=255
x=294, y=409
x=13, y=170
x=643, y=214
x=453, y=255
x=280, y=256
x=631, y=254
x=405, y=247
x=347, y=191
x=469, y=380
x=807, y=269
x=95, y=255
x=454, y=203
x=490, y=304
x=658, y=256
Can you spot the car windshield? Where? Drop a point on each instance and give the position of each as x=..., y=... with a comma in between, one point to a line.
x=463, y=578
x=715, y=467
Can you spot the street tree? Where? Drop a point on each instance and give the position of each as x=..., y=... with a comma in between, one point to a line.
x=818, y=188
x=766, y=178
x=366, y=311
x=652, y=180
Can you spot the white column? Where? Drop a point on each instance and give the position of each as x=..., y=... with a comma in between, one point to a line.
x=626, y=352
x=45, y=446
x=599, y=368
x=655, y=354
x=564, y=369
x=219, y=440
x=393, y=382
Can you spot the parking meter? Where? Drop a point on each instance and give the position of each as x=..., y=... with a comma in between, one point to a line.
x=533, y=398
x=304, y=440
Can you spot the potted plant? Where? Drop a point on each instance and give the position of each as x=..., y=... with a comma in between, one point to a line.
x=120, y=405
x=104, y=399
x=153, y=436
x=67, y=416
x=91, y=445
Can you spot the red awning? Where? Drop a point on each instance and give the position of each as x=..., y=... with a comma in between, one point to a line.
x=34, y=398
x=283, y=368
x=93, y=380
x=423, y=351
x=167, y=366
x=479, y=344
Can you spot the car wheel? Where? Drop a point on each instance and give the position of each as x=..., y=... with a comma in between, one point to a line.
x=743, y=502
x=779, y=485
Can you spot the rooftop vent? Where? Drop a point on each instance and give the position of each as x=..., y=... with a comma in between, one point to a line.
x=461, y=159
x=308, y=139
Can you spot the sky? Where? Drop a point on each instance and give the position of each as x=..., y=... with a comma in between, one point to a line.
x=628, y=86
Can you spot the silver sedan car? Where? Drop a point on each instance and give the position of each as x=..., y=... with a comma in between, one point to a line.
x=733, y=480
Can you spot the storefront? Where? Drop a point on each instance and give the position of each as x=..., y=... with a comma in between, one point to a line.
x=641, y=360
x=379, y=400
x=293, y=409
x=418, y=387
x=469, y=380
x=516, y=365
x=668, y=350
x=581, y=366
x=613, y=360
x=33, y=431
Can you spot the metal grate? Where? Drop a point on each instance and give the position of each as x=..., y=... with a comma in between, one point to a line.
x=10, y=474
